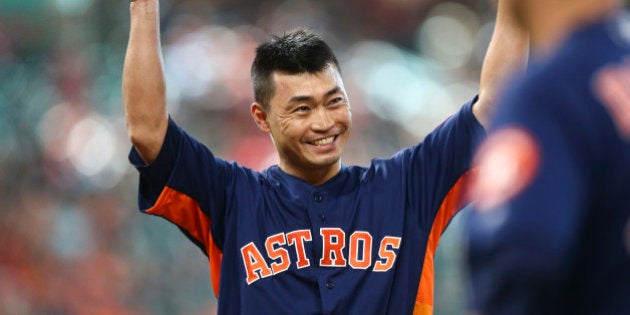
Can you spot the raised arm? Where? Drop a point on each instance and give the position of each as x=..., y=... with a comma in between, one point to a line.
x=508, y=52
x=144, y=90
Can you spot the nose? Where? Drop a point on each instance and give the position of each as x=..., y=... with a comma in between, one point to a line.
x=322, y=120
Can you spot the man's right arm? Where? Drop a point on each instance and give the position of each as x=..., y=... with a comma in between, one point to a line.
x=507, y=53
x=144, y=89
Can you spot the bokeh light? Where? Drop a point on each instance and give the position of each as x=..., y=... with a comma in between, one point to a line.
x=448, y=34
x=73, y=7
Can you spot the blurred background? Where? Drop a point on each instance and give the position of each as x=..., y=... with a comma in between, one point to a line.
x=71, y=238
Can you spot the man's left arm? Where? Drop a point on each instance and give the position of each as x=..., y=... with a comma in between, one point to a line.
x=507, y=53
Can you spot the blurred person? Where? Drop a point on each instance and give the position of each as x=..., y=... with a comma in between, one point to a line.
x=309, y=235
x=551, y=229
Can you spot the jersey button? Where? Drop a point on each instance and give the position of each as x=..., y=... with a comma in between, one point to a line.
x=322, y=217
x=318, y=198
x=330, y=284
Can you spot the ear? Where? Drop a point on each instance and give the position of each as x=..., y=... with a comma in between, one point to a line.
x=260, y=117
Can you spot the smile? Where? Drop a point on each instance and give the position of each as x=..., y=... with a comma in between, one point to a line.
x=323, y=141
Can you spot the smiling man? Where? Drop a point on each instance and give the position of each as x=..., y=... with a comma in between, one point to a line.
x=310, y=235
x=310, y=119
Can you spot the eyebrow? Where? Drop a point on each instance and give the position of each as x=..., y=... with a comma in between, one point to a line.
x=304, y=98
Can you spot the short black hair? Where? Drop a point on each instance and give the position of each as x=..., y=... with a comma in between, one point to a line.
x=295, y=52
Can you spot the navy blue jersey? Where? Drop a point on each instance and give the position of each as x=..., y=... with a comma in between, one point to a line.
x=551, y=232
x=362, y=243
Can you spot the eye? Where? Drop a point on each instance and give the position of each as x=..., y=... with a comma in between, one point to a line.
x=336, y=100
x=302, y=108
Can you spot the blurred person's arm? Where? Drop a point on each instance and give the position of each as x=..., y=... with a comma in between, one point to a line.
x=144, y=91
x=508, y=52
x=531, y=197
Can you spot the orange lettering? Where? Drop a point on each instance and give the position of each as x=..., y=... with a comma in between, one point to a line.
x=297, y=238
x=334, y=240
x=254, y=263
x=356, y=238
x=387, y=254
x=277, y=253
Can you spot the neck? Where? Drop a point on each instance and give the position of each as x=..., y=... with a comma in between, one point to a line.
x=315, y=176
x=552, y=22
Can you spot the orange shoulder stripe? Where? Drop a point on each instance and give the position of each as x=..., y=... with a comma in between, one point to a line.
x=185, y=212
x=453, y=201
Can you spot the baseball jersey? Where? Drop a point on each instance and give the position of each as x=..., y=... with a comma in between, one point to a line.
x=551, y=230
x=361, y=243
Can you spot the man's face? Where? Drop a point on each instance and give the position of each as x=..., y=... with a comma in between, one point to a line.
x=309, y=120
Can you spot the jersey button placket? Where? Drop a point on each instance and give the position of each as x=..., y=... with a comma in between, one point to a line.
x=318, y=197
x=317, y=217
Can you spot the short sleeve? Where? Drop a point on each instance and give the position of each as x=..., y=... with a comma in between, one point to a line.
x=154, y=176
x=186, y=185
x=436, y=166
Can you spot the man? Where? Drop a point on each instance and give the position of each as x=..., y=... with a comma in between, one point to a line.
x=551, y=230
x=310, y=235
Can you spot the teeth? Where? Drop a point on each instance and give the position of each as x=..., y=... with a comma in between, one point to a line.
x=324, y=141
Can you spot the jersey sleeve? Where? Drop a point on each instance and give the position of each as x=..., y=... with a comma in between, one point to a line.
x=185, y=185
x=437, y=166
x=520, y=249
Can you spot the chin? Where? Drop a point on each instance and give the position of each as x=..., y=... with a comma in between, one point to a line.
x=325, y=162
